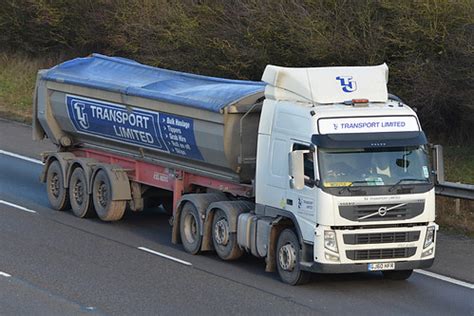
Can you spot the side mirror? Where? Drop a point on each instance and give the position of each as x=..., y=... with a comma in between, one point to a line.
x=438, y=163
x=297, y=169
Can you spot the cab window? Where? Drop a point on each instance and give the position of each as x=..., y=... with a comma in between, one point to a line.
x=308, y=160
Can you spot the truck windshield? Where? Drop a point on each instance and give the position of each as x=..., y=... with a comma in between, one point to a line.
x=373, y=167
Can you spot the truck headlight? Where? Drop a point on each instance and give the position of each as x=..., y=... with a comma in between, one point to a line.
x=430, y=234
x=330, y=241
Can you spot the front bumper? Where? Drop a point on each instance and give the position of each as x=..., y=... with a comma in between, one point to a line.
x=359, y=247
x=361, y=267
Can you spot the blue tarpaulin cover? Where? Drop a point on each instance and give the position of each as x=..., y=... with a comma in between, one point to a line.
x=132, y=78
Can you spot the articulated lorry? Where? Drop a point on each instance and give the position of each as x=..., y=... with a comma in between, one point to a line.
x=312, y=169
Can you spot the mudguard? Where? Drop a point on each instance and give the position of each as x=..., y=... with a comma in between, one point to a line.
x=118, y=180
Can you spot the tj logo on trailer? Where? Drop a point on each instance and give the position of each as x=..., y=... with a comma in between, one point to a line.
x=81, y=116
x=347, y=83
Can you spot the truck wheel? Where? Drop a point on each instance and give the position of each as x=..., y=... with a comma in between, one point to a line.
x=224, y=241
x=81, y=201
x=106, y=209
x=288, y=258
x=397, y=275
x=189, y=229
x=57, y=194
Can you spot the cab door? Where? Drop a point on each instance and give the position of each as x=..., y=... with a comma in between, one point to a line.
x=302, y=202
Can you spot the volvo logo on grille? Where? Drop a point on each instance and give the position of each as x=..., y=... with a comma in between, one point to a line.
x=382, y=211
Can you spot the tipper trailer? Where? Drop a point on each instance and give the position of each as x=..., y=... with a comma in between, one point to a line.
x=313, y=169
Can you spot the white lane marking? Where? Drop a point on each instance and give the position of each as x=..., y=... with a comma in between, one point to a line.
x=5, y=274
x=7, y=153
x=445, y=278
x=17, y=206
x=91, y=308
x=165, y=256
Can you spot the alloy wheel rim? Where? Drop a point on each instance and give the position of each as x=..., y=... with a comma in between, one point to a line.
x=102, y=194
x=287, y=257
x=54, y=185
x=78, y=192
x=221, y=231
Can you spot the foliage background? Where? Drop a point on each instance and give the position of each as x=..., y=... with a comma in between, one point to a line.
x=428, y=44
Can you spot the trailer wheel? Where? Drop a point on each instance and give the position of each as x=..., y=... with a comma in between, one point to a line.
x=81, y=201
x=397, y=275
x=288, y=258
x=57, y=194
x=189, y=229
x=107, y=209
x=224, y=241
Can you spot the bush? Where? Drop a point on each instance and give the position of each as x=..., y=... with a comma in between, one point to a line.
x=428, y=44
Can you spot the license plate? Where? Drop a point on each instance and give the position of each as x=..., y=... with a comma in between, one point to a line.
x=381, y=266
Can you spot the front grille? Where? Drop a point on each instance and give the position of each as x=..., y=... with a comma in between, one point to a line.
x=372, y=254
x=380, y=238
x=357, y=212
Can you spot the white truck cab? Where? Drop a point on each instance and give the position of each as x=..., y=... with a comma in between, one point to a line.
x=349, y=164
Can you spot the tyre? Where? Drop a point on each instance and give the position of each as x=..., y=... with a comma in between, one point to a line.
x=81, y=201
x=189, y=229
x=57, y=194
x=288, y=258
x=106, y=209
x=397, y=274
x=225, y=242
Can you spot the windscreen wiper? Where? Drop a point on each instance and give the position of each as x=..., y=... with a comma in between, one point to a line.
x=403, y=180
x=347, y=187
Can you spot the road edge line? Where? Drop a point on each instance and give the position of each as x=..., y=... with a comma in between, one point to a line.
x=445, y=278
x=8, y=153
x=165, y=256
x=18, y=206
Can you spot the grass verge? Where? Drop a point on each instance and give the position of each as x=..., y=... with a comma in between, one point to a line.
x=459, y=164
x=455, y=215
x=17, y=82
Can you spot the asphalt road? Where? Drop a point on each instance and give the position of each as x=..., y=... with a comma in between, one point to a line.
x=54, y=263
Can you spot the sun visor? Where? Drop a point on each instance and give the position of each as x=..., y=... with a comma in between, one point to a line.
x=325, y=85
x=370, y=140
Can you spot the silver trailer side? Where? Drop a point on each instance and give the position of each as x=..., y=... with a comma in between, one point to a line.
x=227, y=140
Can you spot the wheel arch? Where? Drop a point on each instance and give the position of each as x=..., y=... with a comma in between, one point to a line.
x=283, y=220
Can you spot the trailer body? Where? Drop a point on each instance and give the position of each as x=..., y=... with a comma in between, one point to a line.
x=313, y=169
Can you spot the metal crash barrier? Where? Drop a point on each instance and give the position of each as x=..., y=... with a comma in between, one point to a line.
x=445, y=188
